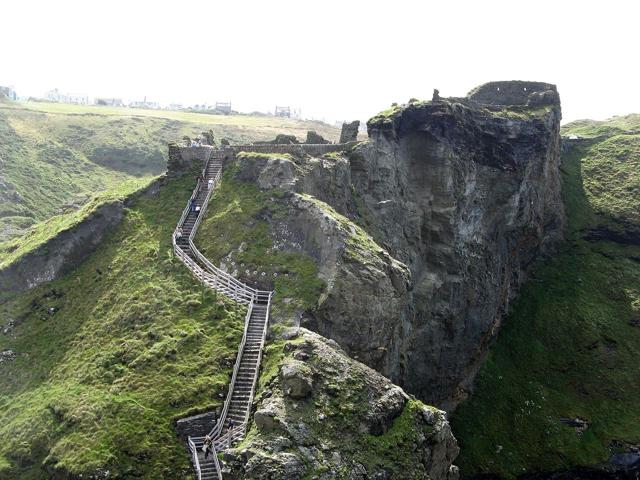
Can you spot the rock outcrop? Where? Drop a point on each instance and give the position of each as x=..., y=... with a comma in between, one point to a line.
x=65, y=250
x=467, y=198
x=460, y=196
x=351, y=422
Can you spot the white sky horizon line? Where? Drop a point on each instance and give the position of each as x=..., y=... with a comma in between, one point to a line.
x=331, y=121
x=340, y=61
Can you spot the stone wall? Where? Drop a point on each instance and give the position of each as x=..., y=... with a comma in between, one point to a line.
x=303, y=148
x=349, y=132
x=196, y=425
x=313, y=138
x=182, y=158
x=515, y=92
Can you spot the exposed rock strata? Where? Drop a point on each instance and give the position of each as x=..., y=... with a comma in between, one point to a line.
x=62, y=253
x=468, y=200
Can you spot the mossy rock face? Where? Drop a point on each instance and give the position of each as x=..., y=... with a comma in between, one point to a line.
x=261, y=229
x=353, y=423
x=296, y=379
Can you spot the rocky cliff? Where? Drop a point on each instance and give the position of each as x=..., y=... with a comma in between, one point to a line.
x=467, y=196
x=449, y=202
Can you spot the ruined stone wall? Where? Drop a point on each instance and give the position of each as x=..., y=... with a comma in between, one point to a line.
x=349, y=132
x=309, y=149
x=182, y=158
x=514, y=92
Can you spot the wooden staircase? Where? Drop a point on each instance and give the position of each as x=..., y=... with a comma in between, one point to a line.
x=232, y=424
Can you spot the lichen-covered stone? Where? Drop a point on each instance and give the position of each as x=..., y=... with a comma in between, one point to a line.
x=296, y=379
x=355, y=424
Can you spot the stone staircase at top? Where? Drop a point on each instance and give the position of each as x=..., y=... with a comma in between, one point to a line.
x=233, y=421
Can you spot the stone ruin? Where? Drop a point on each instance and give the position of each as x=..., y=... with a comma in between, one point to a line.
x=349, y=132
x=281, y=139
x=515, y=92
x=208, y=138
x=314, y=139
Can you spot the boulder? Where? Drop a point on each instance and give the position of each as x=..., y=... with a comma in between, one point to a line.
x=296, y=379
x=322, y=437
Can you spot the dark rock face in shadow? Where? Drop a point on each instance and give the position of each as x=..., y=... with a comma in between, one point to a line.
x=468, y=199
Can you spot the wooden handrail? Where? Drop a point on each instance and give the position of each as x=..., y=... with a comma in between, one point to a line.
x=255, y=377
x=196, y=461
x=217, y=429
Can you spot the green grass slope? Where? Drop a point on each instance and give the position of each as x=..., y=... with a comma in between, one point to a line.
x=55, y=157
x=237, y=229
x=107, y=357
x=39, y=234
x=569, y=348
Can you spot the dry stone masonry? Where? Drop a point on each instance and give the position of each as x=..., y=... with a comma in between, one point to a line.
x=349, y=132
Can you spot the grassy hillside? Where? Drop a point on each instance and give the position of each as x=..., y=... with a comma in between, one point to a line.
x=569, y=348
x=237, y=229
x=108, y=356
x=55, y=157
x=612, y=126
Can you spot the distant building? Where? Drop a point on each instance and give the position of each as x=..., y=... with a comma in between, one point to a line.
x=56, y=95
x=8, y=92
x=176, y=106
x=283, y=112
x=223, y=107
x=145, y=104
x=109, y=102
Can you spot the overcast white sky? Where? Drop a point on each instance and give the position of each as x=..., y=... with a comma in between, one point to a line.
x=333, y=59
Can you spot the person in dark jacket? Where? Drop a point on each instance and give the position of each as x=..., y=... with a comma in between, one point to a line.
x=192, y=205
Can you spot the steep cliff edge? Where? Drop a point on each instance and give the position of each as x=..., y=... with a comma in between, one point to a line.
x=451, y=202
x=467, y=195
x=561, y=386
